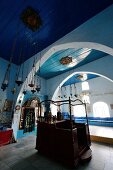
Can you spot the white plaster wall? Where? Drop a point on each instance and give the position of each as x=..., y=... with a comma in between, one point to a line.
x=7, y=93
x=100, y=90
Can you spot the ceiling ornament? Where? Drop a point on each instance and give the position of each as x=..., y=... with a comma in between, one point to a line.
x=82, y=77
x=31, y=18
x=66, y=60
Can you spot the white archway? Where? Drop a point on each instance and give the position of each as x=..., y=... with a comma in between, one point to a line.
x=76, y=45
x=46, y=54
x=66, y=78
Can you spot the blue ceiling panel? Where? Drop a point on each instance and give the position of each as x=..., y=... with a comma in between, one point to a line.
x=74, y=79
x=52, y=67
x=58, y=18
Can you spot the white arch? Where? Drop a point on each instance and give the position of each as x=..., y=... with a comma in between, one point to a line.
x=47, y=54
x=101, y=109
x=50, y=51
x=65, y=79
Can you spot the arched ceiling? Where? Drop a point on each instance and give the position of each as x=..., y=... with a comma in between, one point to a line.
x=52, y=67
x=74, y=79
x=58, y=18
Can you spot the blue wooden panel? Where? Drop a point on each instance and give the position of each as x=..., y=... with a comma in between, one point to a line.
x=58, y=18
x=53, y=67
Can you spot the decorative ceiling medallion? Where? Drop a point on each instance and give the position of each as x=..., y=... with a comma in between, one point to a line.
x=66, y=60
x=31, y=18
x=82, y=77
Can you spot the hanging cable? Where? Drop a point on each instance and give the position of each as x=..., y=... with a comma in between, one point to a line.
x=7, y=74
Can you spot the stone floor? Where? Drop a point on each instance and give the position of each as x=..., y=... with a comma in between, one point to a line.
x=23, y=156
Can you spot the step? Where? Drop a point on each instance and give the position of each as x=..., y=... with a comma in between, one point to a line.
x=86, y=156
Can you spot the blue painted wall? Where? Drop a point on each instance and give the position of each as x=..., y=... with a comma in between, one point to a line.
x=7, y=93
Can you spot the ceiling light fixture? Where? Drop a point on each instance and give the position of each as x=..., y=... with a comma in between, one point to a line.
x=31, y=18
x=82, y=77
x=66, y=60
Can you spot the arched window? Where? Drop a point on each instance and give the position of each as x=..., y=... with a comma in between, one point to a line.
x=100, y=109
x=85, y=85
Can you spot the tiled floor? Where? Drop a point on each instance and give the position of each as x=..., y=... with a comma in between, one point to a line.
x=23, y=156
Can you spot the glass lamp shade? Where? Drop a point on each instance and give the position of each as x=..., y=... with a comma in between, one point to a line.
x=4, y=86
x=38, y=88
x=24, y=92
x=19, y=81
x=33, y=91
x=76, y=95
x=31, y=84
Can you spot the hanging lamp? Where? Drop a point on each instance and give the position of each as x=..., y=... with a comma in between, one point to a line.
x=59, y=95
x=38, y=84
x=38, y=79
x=5, y=82
x=6, y=78
x=71, y=95
x=65, y=96
x=25, y=86
x=33, y=90
x=31, y=84
x=75, y=91
x=19, y=75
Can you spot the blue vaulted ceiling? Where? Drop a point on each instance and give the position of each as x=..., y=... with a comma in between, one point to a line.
x=74, y=79
x=52, y=67
x=58, y=18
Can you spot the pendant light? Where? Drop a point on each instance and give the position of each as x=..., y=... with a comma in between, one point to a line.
x=65, y=96
x=71, y=95
x=31, y=84
x=37, y=76
x=19, y=75
x=38, y=83
x=59, y=94
x=75, y=91
x=6, y=79
x=25, y=86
